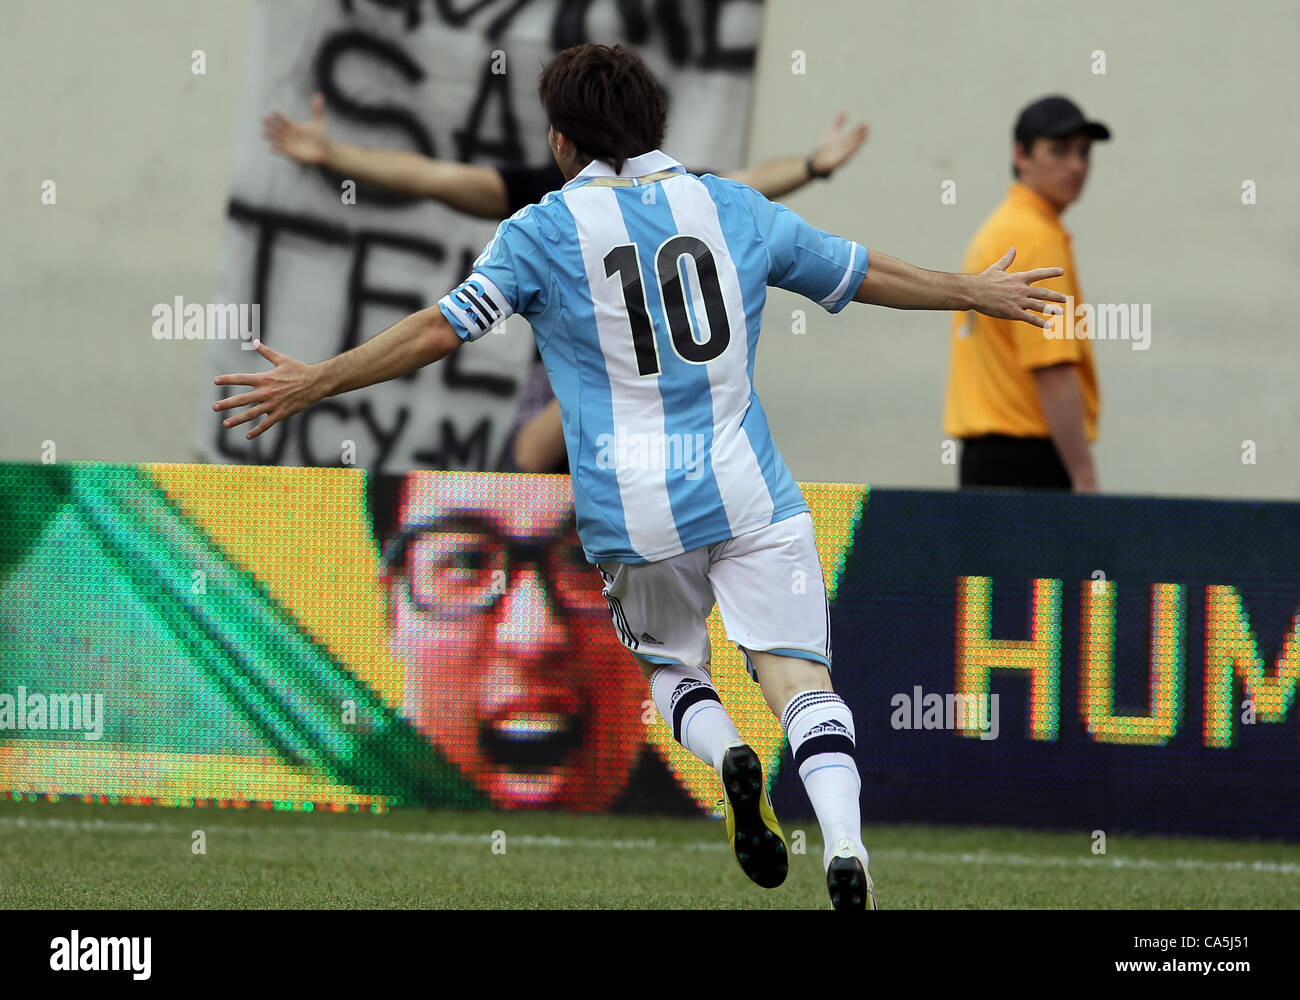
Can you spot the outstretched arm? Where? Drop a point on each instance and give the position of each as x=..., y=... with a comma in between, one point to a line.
x=474, y=190
x=784, y=174
x=994, y=292
x=292, y=386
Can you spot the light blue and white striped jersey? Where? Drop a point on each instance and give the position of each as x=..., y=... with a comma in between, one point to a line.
x=645, y=291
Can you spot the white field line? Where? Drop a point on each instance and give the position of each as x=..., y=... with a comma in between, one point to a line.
x=526, y=840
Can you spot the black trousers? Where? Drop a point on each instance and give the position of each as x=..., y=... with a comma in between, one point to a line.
x=1002, y=460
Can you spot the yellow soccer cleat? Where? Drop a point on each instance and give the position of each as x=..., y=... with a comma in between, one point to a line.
x=752, y=829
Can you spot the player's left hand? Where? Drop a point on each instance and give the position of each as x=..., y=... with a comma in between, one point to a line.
x=289, y=388
x=1003, y=294
x=838, y=146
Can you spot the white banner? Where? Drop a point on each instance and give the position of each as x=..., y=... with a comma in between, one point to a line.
x=424, y=75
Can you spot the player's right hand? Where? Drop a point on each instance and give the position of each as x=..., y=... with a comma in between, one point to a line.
x=1005, y=295
x=307, y=142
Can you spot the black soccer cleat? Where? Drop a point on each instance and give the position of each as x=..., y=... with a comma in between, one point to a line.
x=752, y=829
x=847, y=880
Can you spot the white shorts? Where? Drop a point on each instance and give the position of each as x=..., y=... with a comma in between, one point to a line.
x=767, y=582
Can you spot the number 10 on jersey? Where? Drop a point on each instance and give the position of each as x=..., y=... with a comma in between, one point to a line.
x=625, y=262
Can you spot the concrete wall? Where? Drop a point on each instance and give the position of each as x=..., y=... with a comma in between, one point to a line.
x=100, y=99
x=1197, y=103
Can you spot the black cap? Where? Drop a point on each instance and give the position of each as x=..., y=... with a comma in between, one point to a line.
x=1055, y=116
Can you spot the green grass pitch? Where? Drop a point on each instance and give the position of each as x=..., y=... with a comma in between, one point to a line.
x=69, y=855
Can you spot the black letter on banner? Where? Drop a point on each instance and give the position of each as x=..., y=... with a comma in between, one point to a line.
x=677, y=36
x=268, y=448
x=506, y=460
x=269, y=224
x=714, y=56
x=344, y=42
x=304, y=435
x=508, y=148
x=386, y=440
x=570, y=26
x=412, y=8
x=469, y=454
x=359, y=295
x=495, y=29
x=501, y=386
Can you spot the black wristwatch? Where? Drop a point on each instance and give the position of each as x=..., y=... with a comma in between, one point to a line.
x=812, y=172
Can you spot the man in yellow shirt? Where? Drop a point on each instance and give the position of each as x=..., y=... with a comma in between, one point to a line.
x=1024, y=400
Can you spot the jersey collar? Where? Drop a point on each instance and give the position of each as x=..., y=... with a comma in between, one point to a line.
x=635, y=167
x=1022, y=194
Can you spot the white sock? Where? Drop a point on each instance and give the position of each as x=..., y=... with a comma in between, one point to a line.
x=689, y=703
x=820, y=728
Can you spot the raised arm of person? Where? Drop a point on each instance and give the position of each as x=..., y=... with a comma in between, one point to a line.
x=471, y=189
x=783, y=174
x=292, y=386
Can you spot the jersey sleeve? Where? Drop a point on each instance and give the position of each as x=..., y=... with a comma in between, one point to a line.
x=802, y=258
x=508, y=278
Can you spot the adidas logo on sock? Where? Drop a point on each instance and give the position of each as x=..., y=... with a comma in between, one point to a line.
x=689, y=684
x=647, y=637
x=829, y=726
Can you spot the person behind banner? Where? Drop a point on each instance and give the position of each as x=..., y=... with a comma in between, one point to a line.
x=499, y=192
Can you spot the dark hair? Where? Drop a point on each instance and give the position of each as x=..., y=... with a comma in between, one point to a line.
x=605, y=101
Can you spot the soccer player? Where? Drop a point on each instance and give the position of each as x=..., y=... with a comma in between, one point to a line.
x=645, y=285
